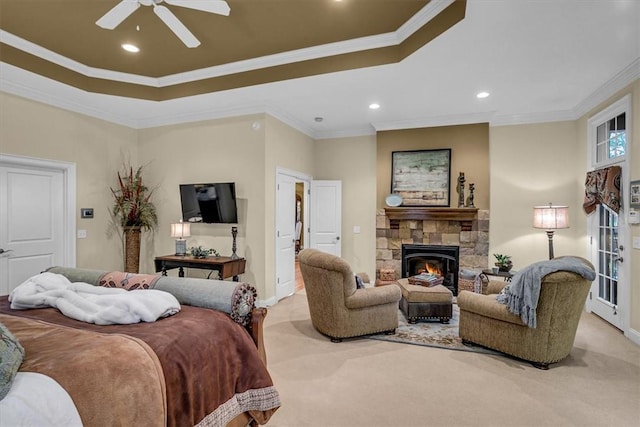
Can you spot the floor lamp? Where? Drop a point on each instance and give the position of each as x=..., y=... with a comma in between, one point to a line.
x=550, y=218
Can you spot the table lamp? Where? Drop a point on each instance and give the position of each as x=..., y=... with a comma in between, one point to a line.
x=181, y=230
x=550, y=218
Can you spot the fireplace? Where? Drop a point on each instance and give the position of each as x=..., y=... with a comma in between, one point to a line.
x=443, y=260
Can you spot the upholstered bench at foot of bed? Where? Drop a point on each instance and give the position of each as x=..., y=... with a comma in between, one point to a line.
x=422, y=302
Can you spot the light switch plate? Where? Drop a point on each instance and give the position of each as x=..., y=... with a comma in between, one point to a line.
x=82, y=234
x=636, y=243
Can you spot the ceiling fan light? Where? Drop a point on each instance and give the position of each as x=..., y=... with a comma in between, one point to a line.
x=130, y=47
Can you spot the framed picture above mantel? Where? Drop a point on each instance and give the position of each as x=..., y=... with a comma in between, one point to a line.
x=422, y=178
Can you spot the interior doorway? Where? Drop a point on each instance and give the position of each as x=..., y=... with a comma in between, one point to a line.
x=37, y=217
x=299, y=212
x=292, y=220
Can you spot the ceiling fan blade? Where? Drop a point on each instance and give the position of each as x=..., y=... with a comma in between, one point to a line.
x=117, y=14
x=176, y=26
x=213, y=6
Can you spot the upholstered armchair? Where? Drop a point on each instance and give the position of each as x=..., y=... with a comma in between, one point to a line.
x=486, y=322
x=337, y=308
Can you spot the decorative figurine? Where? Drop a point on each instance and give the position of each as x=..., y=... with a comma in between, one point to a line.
x=460, y=190
x=472, y=188
x=234, y=233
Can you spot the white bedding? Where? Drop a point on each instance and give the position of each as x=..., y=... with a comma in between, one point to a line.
x=93, y=304
x=36, y=400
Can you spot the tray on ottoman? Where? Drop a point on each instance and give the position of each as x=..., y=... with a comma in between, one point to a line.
x=421, y=302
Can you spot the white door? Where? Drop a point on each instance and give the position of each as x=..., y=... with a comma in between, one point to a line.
x=607, y=251
x=285, y=235
x=609, y=232
x=36, y=218
x=326, y=216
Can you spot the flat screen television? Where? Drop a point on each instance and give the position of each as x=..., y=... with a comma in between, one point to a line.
x=209, y=203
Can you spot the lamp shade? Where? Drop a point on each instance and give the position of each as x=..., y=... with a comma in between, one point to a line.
x=551, y=217
x=181, y=229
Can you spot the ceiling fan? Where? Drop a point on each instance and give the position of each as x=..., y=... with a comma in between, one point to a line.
x=122, y=10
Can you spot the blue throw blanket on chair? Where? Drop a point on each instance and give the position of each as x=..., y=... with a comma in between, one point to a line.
x=522, y=294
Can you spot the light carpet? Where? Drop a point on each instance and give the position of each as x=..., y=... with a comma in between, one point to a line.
x=431, y=333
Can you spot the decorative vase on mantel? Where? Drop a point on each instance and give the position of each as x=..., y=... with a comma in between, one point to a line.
x=132, y=249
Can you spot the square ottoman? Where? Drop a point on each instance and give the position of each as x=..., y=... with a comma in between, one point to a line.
x=423, y=302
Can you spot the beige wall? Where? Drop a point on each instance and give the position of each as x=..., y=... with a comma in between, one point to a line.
x=469, y=154
x=353, y=161
x=228, y=150
x=533, y=165
x=246, y=150
x=289, y=149
x=98, y=149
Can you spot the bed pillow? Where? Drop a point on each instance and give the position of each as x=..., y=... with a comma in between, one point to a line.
x=128, y=281
x=11, y=356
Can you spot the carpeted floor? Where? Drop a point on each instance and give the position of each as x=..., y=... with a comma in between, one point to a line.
x=374, y=383
x=431, y=333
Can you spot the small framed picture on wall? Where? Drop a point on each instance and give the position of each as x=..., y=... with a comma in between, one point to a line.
x=634, y=194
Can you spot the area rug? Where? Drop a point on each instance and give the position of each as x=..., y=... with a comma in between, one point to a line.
x=431, y=333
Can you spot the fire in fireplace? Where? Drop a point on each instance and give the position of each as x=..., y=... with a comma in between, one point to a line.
x=438, y=259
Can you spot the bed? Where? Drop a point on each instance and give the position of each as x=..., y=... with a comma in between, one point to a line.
x=203, y=366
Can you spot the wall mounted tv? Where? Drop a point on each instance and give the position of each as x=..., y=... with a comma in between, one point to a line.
x=209, y=203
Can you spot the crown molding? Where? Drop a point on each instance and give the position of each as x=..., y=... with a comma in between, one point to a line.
x=70, y=64
x=426, y=14
x=348, y=133
x=618, y=82
x=53, y=93
x=530, y=118
x=58, y=95
x=430, y=11
x=423, y=122
x=171, y=118
x=287, y=119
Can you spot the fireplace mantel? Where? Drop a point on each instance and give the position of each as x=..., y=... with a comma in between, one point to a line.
x=436, y=214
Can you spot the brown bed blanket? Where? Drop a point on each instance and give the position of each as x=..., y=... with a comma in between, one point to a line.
x=211, y=366
x=96, y=370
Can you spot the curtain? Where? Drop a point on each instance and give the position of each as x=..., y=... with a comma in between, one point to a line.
x=602, y=186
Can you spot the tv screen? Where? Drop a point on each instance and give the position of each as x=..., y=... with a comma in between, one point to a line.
x=209, y=203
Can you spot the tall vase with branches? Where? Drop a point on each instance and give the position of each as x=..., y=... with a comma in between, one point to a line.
x=134, y=211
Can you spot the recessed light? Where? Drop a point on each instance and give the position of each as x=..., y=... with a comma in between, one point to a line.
x=482, y=95
x=130, y=47
x=318, y=119
x=374, y=106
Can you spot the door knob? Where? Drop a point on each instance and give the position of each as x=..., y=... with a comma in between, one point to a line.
x=338, y=238
x=619, y=259
x=3, y=251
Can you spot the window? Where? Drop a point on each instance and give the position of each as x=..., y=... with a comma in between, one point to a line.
x=611, y=139
x=608, y=134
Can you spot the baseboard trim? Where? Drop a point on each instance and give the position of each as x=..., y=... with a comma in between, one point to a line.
x=634, y=336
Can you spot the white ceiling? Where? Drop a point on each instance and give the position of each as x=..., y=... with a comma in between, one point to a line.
x=541, y=60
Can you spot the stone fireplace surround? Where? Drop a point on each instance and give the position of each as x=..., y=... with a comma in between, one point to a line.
x=463, y=227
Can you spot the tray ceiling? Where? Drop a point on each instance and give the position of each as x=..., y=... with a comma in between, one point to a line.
x=261, y=41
